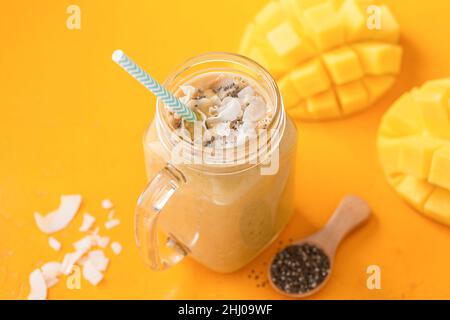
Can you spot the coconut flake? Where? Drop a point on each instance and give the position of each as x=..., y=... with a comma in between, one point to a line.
x=107, y=204
x=256, y=110
x=246, y=92
x=38, y=287
x=88, y=222
x=96, y=231
x=54, y=244
x=51, y=282
x=84, y=243
x=91, y=274
x=61, y=217
x=51, y=271
x=112, y=223
x=70, y=259
x=223, y=129
x=116, y=247
x=102, y=241
x=230, y=111
x=188, y=91
x=98, y=259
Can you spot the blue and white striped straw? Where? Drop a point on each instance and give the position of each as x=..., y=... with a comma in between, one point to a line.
x=151, y=84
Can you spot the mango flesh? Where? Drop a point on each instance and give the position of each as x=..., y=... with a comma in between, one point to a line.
x=414, y=148
x=328, y=60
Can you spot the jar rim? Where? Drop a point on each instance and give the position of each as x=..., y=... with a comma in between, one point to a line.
x=277, y=123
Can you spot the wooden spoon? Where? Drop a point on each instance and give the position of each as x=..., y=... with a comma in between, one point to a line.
x=351, y=213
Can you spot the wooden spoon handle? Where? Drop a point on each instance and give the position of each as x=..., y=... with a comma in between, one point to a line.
x=351, y=212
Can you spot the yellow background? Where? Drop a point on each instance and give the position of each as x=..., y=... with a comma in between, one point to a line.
x=71, y=121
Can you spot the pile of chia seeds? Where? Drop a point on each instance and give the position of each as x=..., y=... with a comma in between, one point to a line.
x=298, y=269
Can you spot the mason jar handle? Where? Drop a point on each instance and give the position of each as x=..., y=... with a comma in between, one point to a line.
x=157, y=253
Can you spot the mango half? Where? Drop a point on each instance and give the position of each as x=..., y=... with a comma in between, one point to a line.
x=331, y=58
x=414, y=148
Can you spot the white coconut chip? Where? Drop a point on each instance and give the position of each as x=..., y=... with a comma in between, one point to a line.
x=51, y=282
x=54, y=244
x=102, y=241
x=61, y=217
x=116, y=247
x=256, y=110
x=112, y=223
x=189, y=91
x=223, y=129
x=88, y=222
x=98, y=259
x=91, y=274
x=107, y=204
x=51, y=271
x=70, y=259
x=84, y=243
x=38, y=287
x=246, y=92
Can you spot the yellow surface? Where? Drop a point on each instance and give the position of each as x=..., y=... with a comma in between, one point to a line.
x=417, y=160
x=320, y=46
x=72, y=122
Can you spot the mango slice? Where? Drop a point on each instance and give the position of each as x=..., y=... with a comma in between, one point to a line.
x=414, y=148
x=327, y=51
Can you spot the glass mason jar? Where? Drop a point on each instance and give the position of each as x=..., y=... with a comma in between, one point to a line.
x=222, y=213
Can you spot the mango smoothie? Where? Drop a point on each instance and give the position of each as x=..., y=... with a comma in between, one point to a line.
x=224, y=212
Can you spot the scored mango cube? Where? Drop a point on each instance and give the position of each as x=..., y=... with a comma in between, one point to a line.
x=416, y=155
x=269, y=17
x=288, y=44
x=379, y=58
x=352, y=96
x=297, y=33
x=440, y=168
x=433, y=104
x=412, y=142
x=438, y=205
x=415, y=191
x=310, y=79
x=377, y=86
x=343, y=65
x=300, y=110
x=288, y=92
x=389, y=152
x=300, y=5
x=402, y=119
x=354, y=17
x=324, y=26
x=323, y=105
x=266, y=57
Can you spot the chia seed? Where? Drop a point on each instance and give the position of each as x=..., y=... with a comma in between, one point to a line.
x=300, y=268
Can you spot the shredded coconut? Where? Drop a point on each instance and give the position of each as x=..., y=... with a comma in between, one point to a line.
x=112, y=223
x=51, y=271
x=91, y=274
x=38, y=287
x=54, y=244
x=231, y=109
x=61, y=217
x=88, y=222
x=107, y=204
x=116, y=247
x=98, y=259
